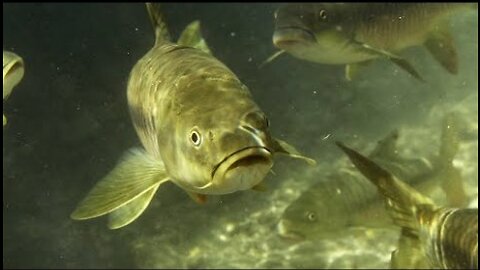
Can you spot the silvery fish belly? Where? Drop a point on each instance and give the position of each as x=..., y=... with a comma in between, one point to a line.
x=198, y=125
x=353, y=33
x=13, y=70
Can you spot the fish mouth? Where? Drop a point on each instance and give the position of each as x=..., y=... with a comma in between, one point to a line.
x=286, y=37
x=283, y=229
x=257, y=159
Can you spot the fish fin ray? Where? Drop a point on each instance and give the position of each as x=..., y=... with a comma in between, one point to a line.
x=158, y=22
x=285, y=148
x=130, y=211
x=402, y=201
x=398, y=60
x=271, y=58
x=136, y=173
x=192, y=37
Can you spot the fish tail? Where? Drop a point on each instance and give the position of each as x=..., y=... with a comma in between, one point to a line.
x=403, y=202
x=158, y=22
x=452, y=182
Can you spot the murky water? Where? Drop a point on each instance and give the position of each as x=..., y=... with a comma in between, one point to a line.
x=68, y=124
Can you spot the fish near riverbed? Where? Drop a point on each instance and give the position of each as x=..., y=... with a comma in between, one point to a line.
x=198, y=125
x=446, y=236
x=354, y=34
x=346, y=199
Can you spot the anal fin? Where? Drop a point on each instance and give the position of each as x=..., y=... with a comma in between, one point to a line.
x=285, y=148
x=198, y=198
x=396, y=59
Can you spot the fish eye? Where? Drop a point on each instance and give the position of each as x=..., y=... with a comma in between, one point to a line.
x=322, y=14
x=195, y=137
x=311, y=216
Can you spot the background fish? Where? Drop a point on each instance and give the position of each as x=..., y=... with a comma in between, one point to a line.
x=353, y=34
x=345, y=198
x=13, y=70
x=448, y=237
x=198, y=124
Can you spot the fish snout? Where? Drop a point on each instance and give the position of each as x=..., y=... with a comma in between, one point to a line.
x=284, y=229
x=286, y=37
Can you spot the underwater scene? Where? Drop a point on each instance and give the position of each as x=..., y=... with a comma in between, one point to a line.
x=240, y=135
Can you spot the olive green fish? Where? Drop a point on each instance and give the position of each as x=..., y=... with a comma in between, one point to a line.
x=353, y=34
x=198, y=125
x=13, y=70
x=346, y=199
x=445, y=237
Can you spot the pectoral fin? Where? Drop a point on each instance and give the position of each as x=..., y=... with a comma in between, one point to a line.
x=440, y=44
x=285, y=148
x=398, y=60
x=192, y=37
x=198, y=198
x=403, y=201
x=130, y=184
x=271, y=58
x=130, y=211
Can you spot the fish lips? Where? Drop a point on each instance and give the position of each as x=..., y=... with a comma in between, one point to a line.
x=242, y=169
x=285, y=231
x=286, y=37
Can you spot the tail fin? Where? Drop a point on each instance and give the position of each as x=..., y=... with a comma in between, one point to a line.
x=403, y=202
x=158, y=22
x=452, y=182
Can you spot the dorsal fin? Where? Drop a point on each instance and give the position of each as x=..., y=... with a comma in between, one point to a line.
x=387, y=147
x=158, y=23
x=192, y=37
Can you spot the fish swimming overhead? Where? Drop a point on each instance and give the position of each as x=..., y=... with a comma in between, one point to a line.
x=353, y=34
x=13, y=70
x=447, y=237
x=198, y=125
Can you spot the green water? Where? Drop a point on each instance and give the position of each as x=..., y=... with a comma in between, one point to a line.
x=69, y=124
